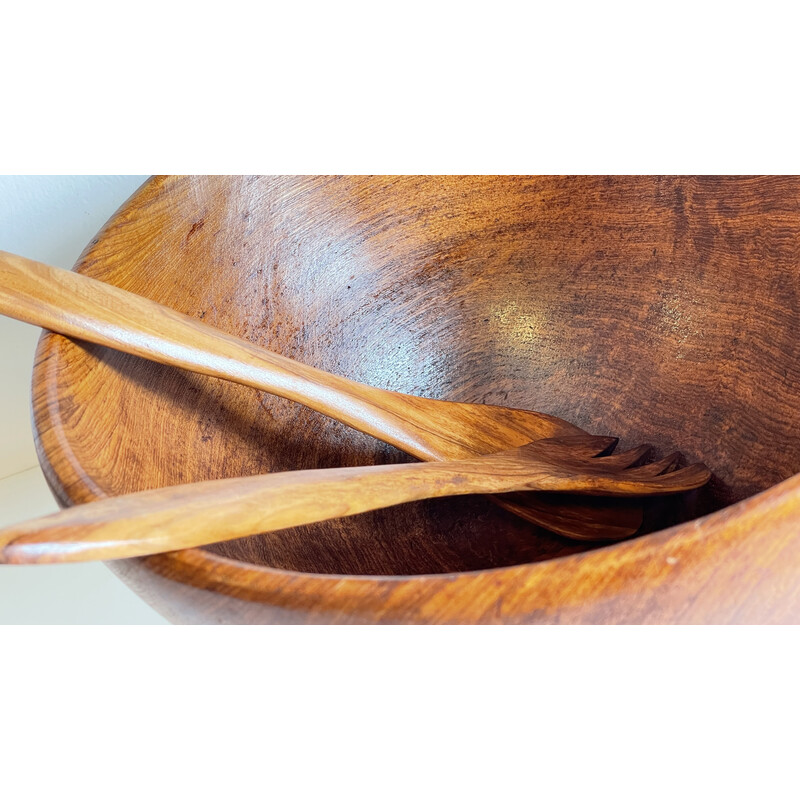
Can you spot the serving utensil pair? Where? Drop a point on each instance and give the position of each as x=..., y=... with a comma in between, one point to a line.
x=432, y=430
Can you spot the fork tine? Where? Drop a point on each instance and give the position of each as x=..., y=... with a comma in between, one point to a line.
x=681, y=480
x=665, y=465
x=625, y=459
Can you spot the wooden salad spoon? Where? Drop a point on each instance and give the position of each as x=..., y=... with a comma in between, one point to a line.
x=196, y=514
x=432, y=430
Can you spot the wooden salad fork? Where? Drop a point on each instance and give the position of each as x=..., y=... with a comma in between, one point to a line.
x=196, y=514
x=432, y=430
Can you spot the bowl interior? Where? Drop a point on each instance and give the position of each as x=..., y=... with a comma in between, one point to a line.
x=660, y=310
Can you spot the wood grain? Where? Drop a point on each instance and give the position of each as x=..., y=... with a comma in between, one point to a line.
x=78, y=306
x=198, y=514
x=660, y=309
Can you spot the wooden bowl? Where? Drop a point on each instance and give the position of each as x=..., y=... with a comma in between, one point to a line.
x=659, y=309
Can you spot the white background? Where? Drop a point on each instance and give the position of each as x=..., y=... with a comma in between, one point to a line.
x=364, y=711
x=50, y=219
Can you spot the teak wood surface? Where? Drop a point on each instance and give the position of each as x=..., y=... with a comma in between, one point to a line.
x=93, y=311
x=198, y=514
x=660, y=309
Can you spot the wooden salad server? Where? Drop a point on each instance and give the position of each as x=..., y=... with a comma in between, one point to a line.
x=432, y=430
x=196, y=514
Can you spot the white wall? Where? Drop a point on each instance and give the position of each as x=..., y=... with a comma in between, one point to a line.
x=50, y=219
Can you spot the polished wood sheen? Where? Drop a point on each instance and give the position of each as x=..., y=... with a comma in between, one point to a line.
x=197, y=514
x=659, y=309
x=75, y=305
